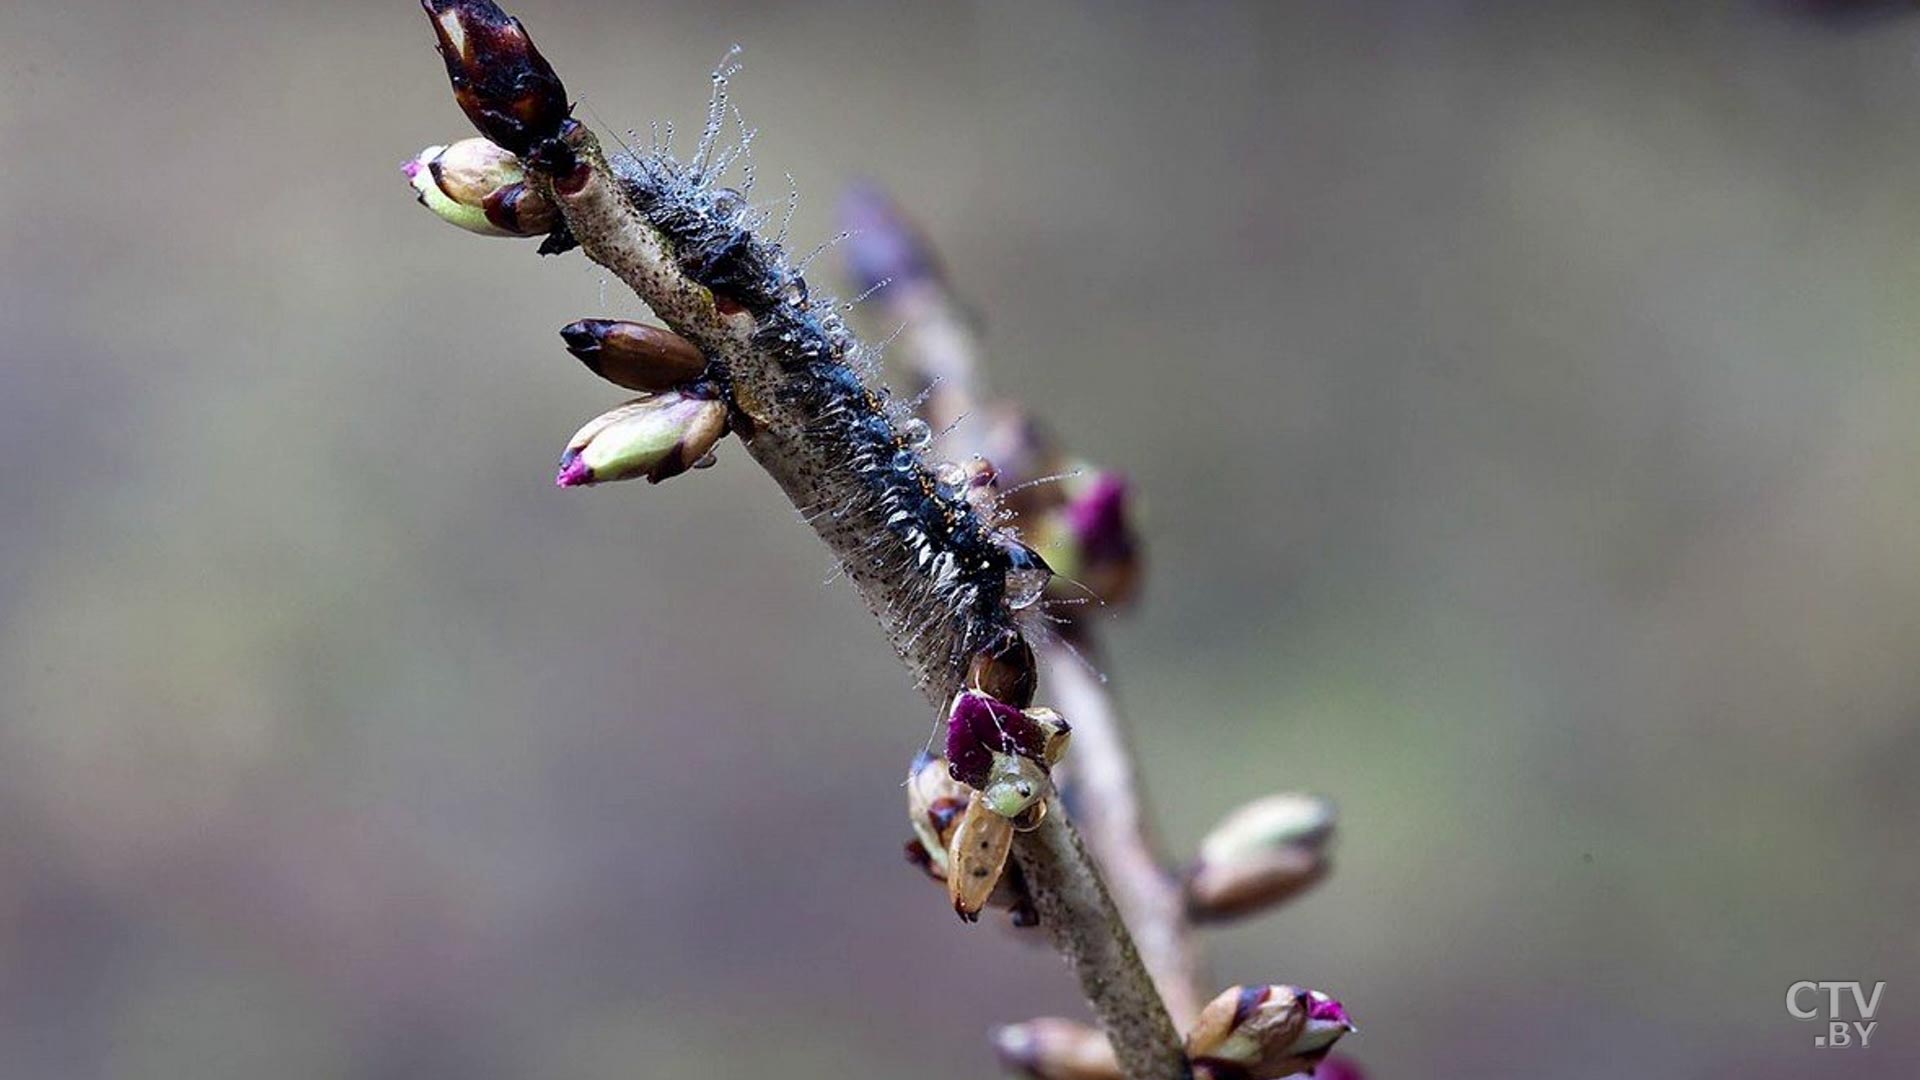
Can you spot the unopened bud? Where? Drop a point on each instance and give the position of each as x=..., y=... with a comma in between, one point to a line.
x=1264, y=1032
x=1262, y=854
x=657, y=436
x=1089, y=539
x=1217, y=892
x=883, y=244
x=634, y=355
x=1006, y=670
x=501, y=81
x=1053, y=1049
x=976, y=858
x=481, y=188
x=980, y=725
x=1290, y=819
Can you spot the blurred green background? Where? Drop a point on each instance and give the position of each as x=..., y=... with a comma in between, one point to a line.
x=1522, y=394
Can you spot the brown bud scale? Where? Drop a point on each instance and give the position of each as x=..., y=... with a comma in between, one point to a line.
x=976, y=858
x=634, y=355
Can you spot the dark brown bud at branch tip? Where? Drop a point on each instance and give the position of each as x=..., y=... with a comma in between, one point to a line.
x=634, y=355
x=500, y=80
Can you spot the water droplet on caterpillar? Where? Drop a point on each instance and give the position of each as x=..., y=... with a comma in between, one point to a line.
x=951, y=476
x=1027, y=574
x=916, y=432
x=1024, y=587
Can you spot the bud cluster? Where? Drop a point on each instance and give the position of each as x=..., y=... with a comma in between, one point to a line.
x=1246, y=1033
x=671, y=428
x=938, y=808
x=994, y=780
x=1264, y=1033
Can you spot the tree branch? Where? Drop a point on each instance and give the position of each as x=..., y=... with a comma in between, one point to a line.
x=1079, y=916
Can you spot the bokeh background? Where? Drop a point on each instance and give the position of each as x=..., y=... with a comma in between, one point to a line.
x=1524, y=400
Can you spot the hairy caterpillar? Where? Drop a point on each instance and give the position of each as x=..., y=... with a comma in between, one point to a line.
x=932, y=524
x=950, y=580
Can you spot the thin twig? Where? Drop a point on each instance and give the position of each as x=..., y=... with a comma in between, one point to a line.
x=1100, y=777
x=939, y=350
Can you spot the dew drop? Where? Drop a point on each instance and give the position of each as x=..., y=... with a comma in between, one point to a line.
x=1024, y=586
x=950, y=475
x=916, y=432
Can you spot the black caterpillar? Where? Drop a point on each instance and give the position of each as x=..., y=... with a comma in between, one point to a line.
x=966, y=561
x=974, y=582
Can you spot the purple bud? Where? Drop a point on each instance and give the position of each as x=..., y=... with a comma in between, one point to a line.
x=980, y=726
x=884, y=244
x=1098, y=518
x=976, y=730
x=1264, y=1033
x=1089, y=538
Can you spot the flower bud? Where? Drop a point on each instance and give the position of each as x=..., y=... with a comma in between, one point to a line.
x=1089, y=539
x=976, y=858
x=1260, y=855
x=657, y=436
x=481, y=188
x=1264, y=1032
x=1054, y=1049
x=883, y=244
x=1215, y=893
x=1291, y=819
x=634, y=355
x=1006, y=670
x=980, y=725
x=501, y=81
